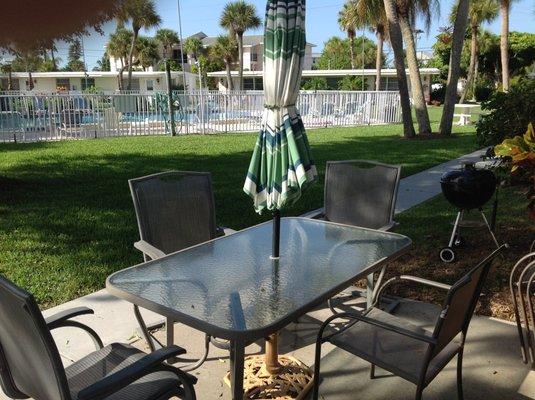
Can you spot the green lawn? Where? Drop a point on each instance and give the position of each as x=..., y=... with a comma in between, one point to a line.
x=66, y=217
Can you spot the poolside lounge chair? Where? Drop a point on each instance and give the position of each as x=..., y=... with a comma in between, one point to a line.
x=360, y=193
x=174, y=210
x=30, y=364
x=405, y=349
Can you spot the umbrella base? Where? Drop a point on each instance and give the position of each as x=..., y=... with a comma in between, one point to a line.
x=293, y=381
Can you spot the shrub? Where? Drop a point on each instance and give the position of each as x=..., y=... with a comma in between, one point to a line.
x=509, y=114
x=352, y=83
x=315, y=83
x=483, y=90
x=437, y=95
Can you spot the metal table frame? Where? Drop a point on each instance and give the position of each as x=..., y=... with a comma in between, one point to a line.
x=240, y=339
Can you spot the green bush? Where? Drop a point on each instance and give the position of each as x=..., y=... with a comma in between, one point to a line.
x=438, y=94
x=483, y=91
x=315, y=83
x=350, y=82
x=509, y=114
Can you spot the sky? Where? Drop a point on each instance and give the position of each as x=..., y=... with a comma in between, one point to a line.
x=321, y=22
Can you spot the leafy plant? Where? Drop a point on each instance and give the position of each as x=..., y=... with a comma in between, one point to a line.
x=521, y=152
x=315, y=83
x=350, y=82
x=509, y=114
x=483, y=90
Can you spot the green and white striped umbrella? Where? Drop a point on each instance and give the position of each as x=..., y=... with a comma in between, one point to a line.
x=281, y=165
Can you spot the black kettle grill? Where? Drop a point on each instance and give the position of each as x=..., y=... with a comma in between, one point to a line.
x=468, y=189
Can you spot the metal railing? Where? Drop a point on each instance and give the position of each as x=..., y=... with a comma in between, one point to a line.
x=28, y=117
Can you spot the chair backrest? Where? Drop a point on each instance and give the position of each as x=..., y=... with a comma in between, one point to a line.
x=30, y=364
x=361, y=193
x=461, y=302
x=174, y=209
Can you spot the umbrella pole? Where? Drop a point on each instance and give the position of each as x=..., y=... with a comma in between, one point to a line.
x=271, y=357
x=276, y=234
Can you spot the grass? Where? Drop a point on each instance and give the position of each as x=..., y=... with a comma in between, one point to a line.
x=66, y=217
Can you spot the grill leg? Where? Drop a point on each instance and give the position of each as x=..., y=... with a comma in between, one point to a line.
x=459, y=218
x=489, y=228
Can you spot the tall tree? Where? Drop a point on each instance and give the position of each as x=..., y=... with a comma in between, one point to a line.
x=481, y=11
x=29, y=60
x=335, y=54
x=371, y=14
x=147, y=53
x=238, y=17
x=407, y=11
x=396, y=41
x=459, y=31
x=118, y=48
x=167, y=39
x=142, y=14
x=6, y=68
x=104, y=63
x=74, y=62
x=505, y=6
x=225, y=49
x=193, y=47
x=347, y=19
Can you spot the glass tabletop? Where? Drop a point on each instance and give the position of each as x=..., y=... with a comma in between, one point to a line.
x=230, y=287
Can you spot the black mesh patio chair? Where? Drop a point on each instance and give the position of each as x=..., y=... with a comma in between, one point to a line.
x=174, y=210
x=403, y=348
x=31, y=367
x=360, y=193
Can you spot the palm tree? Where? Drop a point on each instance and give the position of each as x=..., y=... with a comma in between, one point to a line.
x=225, y=49
x=8, y=69
x=167, y=39
x=459, y=32
x=372, y=14
x=396, y=41
x=481, y=11
x=407, y=11
x=505, y=6
x=147, y=52
x=118, y=48
x=238, y=17
x=142, y=14
x=348, y=21
x=193, y=47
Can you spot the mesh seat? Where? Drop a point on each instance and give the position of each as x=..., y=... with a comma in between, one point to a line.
x=401, y=355
x=113, y=358
x=361, y=193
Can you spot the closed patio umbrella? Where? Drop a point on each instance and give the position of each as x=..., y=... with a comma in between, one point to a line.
x=281, y=165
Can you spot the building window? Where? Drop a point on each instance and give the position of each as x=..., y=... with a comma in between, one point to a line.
x=135, y=84
x=248, y=84
x=254, y=57
x=150, y=85
x=63, y=84
x=14, y=84
x=88, y=83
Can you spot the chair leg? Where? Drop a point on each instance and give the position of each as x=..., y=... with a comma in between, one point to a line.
x=460, y=394
x=372, y=371
x=419, y=391
x=317, y=360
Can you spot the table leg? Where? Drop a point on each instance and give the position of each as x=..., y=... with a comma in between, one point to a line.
x=237, y=355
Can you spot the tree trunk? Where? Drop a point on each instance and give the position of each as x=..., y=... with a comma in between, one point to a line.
x=229, y=75
x=131, y=58
x=352, y=51
x=170, y=105
x=418, y=99
x=30, y=77
x=459, y=30
x=240, y=57
x=378, y=61
x=397, y=45
x=504, y=43
x=472, y=67
x=9, y=79
x=53, y=58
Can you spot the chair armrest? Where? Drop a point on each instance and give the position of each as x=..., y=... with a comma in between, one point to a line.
x=388, y=227
x=380, y=324
x=316, y=214
x=148, y=249
x=224, y=231
x=379, y=290
x=56, y=320
x=148, y=364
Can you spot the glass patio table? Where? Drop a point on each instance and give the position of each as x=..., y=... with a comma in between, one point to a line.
x=230, y=287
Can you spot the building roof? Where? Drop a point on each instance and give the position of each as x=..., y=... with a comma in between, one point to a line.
x=330, y=73
x=92, y=74
x=248, y=40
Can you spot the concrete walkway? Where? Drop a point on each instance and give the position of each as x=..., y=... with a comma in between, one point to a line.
x=493, y=369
